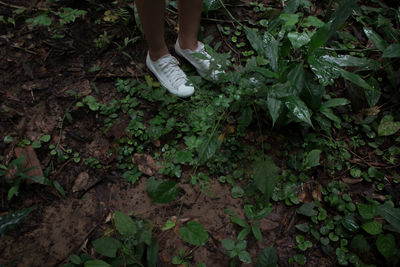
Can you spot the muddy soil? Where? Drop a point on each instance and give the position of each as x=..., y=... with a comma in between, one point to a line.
x=36, y=74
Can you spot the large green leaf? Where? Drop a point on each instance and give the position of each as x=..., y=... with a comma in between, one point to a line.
x=391, y=215
x=152, y=253
x=375, y=39
x=267, y=258
x=207, y=148
x=360, y=243
x=372, y=227
x=307, y=209
x=392, y=51
x=162, y=192
x=298, y=39
x=335, y=102
x=323, y=34
x=296, y=77
x=266, y=46
x=124, y=224
x=325, y=70
x=387, y=126
x=356, y=79
x=386, y=245
x=298, y=108
x=266, y=176
x=312, y=159
x=312, y=93
x=194, y=233
x=107, y=246
x=211, y=5
x=367, y=211
x=9, y=221
x=275, y=108
x=362, y=64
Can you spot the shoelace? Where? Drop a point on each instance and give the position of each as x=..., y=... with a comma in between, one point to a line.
x=170, y=66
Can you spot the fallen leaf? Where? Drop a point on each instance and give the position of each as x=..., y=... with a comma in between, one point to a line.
x=31, y=160
x=146, y=164
x=81, y=182
x=352, y=180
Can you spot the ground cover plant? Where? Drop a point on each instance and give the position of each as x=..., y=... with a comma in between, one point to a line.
x=291, y=158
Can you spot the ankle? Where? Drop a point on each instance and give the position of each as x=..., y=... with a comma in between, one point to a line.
x=156, y=55
x=185, y=43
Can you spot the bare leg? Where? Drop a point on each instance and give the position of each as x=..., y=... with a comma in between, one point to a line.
x=151, y=13
x=189, y=22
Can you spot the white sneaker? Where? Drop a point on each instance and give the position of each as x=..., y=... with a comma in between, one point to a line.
x=202, y=65
x=170, y=75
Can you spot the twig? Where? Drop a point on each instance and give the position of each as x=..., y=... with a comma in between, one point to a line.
x=10, y=5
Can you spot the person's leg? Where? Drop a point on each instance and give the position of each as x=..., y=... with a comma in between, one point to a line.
x=189, y=22
x=151, y=13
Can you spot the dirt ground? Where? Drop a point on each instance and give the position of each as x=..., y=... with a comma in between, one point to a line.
x=36, y=73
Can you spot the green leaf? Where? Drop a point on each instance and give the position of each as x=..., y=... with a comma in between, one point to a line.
x=312, y=93
x=107, y=246
x=267, y=258
x=343, y=11
x=387, y=126
x=312, y=159
x=240, y=222
x=183, y=156
x=296, y=77
x=244, y=256
x=362, y=64
x=124, y=224
x=391, y=215
x=367, y=212
x=349, y=222
x=320, y=37
x=237, y=192
x=210, y=5
x=45, y=138
x=162, y=192
x=298, y=39
x=335, y=102
x=193, y=233
x=312, y=21
x=275, y=108
x=256, y=232
x=96, y=263
x=372, y=228
x=386, y=245
x=392, y=51
x=75, y=259
x=59, y=188
x=325, y=70
x=266, y=176
x=266, y=47
x=36, y=144
x=289, y=19
x=307, y=209
x=300, y=259
x=360, y=243
x=9, y=221
x=298, y=108
x=242, y=235
x=43, y=20
x=207, y=148
x=228, y=244
x=375, y=39
x=356, y=79
x=152, y=253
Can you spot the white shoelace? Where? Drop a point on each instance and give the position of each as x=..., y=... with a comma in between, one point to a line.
x=170, y=66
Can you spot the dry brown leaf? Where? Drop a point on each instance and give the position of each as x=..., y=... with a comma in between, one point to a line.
x=31, y=160
x=146, y=164
x=81, y=182
x=352, y=180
